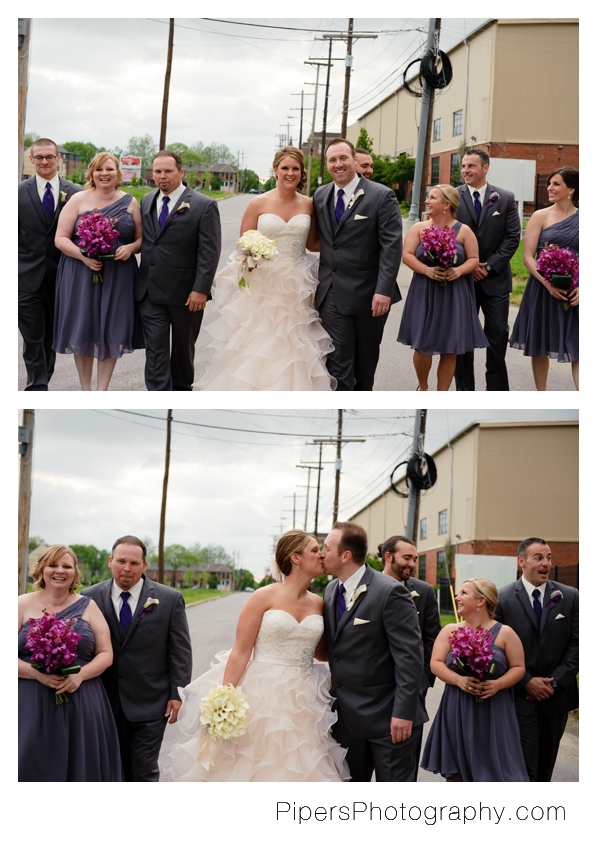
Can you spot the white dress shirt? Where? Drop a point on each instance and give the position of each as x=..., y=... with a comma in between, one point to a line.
x=349, y=190
x=352, y=584
x=54, y=183
x=173, y=196
x=481, y=190
x=135, y=593
x=529, y=588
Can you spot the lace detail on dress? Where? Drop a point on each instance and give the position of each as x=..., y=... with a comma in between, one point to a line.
x=281, y=635
x=290, y=237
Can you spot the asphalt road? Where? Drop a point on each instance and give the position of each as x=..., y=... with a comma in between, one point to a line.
x=213, y=628
x=395, y=370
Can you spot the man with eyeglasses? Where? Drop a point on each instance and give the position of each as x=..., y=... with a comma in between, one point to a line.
x=41, y=198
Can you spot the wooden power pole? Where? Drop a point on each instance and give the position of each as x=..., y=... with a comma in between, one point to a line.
x=26, y=456
x=167, y=87
x=24, y=45
x=163, y=512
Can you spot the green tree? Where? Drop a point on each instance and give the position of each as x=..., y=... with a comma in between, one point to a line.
x=189, y=578
x=213, y=581
x=94, y=562
x=191, y=178
x=85, y=150
x=207, y=179
x=252, y=180
x=244, y=580
x=365, y=141
x=36, y=541
x=269, y=184
x=216, y=182
x=177, y=555
x=30, y=138
x=186, y=154
x=204, y=579
x=144, y=147
x=394, y=173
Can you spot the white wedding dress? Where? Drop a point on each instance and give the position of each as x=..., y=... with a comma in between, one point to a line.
x=289, y=718
x=267, y=335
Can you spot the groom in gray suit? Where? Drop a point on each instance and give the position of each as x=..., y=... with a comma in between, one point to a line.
x=41, y=198
x=491, y=214
x=545, y=616
x=179, y=257
x=152, y=656
x=376, y=660
x=360, y=231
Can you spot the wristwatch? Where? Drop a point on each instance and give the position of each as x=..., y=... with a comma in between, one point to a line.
x=488, y=267
x=554, y=684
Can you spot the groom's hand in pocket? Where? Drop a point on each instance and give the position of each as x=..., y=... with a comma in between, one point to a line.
x=400, y=729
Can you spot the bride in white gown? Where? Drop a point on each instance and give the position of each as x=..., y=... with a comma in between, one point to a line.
x=267, y=335
x=289, y=719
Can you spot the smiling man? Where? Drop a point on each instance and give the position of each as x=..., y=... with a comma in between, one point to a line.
x=179, y=257
x=152, y=656
x=360, y=231
x=545, y=616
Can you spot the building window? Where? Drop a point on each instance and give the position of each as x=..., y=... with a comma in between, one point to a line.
x=457, y=123
x=434, y=171
x=423, y=529
x=442, y=521
x=437, y=129
x=441, y=564
x=422, y=566
x=455, y=170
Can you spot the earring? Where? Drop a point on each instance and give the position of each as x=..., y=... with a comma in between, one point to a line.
x=478, y=608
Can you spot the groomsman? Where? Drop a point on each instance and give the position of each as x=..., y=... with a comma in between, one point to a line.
x=364, y=163
x=545, y=616
x=179, y=257
x=152, y=656
x=41, y=198
x=492, y=215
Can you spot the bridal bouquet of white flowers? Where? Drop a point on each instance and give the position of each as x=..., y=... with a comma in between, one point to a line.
x=224, y=711
x=254, y=246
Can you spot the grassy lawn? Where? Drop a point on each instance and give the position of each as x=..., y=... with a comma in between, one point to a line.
x=194, y=595
x=447, y=619
x=140, y=191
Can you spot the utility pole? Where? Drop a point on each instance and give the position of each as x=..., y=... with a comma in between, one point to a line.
x=312, y=139
x=26, y=462
x=338, y=463
x=167, y=86
x=163, y=512
x=325, y=112
x=302, y=94
x=24, y=44
x=414, y=495
x=423, y=141
x=347, y=78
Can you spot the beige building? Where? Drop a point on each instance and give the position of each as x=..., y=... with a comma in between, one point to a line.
x=514, y=92
x=497, y=483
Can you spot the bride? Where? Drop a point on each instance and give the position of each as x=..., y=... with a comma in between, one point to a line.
x=289, y=718
x=267, y=335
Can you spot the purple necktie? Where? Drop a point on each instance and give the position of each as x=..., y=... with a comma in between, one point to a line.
x=339, y=211
x=164, y=213
x=478, y=207
x=537, y=605
x=126, y=616
x=340, y=603
x=48, y=200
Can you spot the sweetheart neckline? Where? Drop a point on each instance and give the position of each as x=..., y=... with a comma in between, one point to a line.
x=312, y=615
x=286, y=223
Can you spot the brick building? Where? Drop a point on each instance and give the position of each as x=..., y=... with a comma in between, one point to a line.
x=497, y=484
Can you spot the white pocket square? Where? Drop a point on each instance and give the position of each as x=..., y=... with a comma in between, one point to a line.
x=360, y=621
x=560, y=616
x=357, y=217
x=497, y=213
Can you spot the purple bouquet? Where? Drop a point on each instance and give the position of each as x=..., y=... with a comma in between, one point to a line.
x=440, y=247
x=560, y=267
x=96, y=235
x=53, y=645
x=471, y=648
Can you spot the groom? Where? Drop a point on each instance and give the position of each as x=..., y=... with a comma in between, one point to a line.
x=376, y=661
x=360, y=231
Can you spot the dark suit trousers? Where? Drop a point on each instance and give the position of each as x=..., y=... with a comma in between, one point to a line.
x=495, y=312
x=357, y=339
x=390, y=761
x=169, y=358
x=36, y=324
x=540, y=737
x=140, y=744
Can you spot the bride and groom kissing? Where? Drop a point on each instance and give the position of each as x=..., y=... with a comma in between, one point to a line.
x=298, y=729
x=300, y=323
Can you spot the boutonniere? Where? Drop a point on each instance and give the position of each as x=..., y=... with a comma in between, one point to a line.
x=180, y=210
x=355, y=197
x=62, y=196
x=555, y=597
x=356, y=594
x=415, y=594
x=495, y=196
x=148, y=606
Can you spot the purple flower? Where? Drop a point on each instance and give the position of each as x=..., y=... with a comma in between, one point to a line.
x=495, y=196
x=472, y=651
x=554, y=260
x=441, y=246
x=555, y=597
x=96, y=236
x=53, y=645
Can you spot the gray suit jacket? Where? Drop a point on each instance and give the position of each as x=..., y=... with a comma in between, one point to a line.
x=551, y=649
x=38, y=256
x=425, y=602
x=153, y=658
x=497, y=232
x=181, y=256
x=359, y=256
x=377, y=664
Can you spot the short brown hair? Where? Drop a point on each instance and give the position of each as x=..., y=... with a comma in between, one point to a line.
x=168, y=153
x=297, y=154
x=389, y=546
x=337, y=142
x=353, y=538
x=130, y=539
x=55, y=551
x=97, y=162
x=39, y=142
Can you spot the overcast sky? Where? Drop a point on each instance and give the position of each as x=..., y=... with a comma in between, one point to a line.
x=101, y=80
x=98, y=474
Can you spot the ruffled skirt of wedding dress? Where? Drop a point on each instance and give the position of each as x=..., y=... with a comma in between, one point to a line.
x=288, y=736
x=267, y=335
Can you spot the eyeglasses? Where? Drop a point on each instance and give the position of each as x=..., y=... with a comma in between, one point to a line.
x=39, y=159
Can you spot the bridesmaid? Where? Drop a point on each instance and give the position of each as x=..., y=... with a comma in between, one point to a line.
x=543, y=329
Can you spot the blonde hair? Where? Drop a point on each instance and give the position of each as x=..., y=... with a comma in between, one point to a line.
x=294, y=541
x=297, y=154
x=96, y=163
x=487, y=590
x=450, y=195
x=54, y=552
